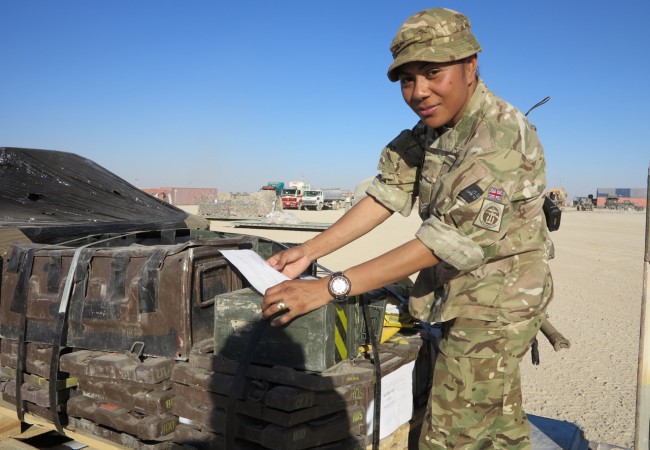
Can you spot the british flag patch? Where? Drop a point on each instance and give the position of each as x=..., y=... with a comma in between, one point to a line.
x=495, y=194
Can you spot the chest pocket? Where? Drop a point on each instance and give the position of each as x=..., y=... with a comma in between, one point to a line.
x=436, y=163
x=471, y=199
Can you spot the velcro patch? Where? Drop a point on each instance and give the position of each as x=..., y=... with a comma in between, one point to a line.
x=471, y=193
x=495, y=194
x=490, y=215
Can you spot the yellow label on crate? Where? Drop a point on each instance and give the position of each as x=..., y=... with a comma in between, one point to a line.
x=341, y=332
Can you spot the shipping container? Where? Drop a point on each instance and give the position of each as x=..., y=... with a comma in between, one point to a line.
x=628, y=193
x=182, y=195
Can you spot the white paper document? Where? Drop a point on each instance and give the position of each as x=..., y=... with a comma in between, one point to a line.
x=396, y=401
x=256, y=270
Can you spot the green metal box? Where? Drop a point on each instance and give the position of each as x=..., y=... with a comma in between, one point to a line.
x=313, y=342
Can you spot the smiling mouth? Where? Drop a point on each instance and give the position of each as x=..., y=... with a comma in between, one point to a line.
x=427, y=111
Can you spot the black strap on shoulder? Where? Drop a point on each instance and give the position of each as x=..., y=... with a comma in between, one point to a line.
x=534, y=352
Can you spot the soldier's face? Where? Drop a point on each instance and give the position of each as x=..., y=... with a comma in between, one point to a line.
x=438, y=92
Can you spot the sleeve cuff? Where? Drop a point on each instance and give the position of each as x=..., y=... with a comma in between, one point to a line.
x=452, y=247
x=391, y=197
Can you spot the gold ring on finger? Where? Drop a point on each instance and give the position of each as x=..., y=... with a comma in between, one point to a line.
x=281, y=306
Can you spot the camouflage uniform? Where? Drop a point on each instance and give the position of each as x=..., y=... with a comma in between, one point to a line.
x=480, y=188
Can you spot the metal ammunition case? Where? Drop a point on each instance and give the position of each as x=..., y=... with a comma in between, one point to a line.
x=159, y=296
x=134, y=397
x=123, y=439
x=333, y=427
x=314, y=342
x=146, y=427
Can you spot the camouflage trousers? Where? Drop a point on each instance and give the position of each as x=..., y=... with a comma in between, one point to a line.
x=476, y=400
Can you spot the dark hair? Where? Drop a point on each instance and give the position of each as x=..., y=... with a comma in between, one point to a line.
x=466, y=60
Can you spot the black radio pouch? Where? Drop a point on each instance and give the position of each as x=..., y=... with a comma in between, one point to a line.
x=553, y=214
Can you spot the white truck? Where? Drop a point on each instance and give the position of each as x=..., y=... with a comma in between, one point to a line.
x=325, y=198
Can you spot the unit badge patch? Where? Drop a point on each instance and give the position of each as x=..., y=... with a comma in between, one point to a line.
x=495, y=194
x=490, y=215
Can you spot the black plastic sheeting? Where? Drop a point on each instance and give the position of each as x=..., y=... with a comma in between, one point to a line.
x=52, y=195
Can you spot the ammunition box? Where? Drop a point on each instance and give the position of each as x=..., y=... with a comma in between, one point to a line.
x=266, y=394
x=123, y=439
x=394, y=353
x=164, y=385
x=340, y=374
x=160, y=296
x=117, y=366
x=134, y=397
x=35, y=395
x=37, y=356
x=333, y=427
x=34, y=409
x=258, y=410
x=116, y=417
x=190, y=438
x=38, y=381
x=187, y=435
x=313, y=342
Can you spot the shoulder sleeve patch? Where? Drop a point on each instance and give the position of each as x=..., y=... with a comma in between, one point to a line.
x=471, y=193
x=490, y=216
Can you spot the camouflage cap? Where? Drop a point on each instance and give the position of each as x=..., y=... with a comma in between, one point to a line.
x=433, y=35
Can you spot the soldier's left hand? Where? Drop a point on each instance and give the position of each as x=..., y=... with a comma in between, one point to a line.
x=295, y=297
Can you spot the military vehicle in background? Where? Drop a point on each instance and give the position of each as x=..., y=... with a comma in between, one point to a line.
x=558, y=196
x=584, y=203
x=627, y=205
x=612, y=202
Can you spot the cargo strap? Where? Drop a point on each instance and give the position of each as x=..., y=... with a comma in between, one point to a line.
x=237, y=387
x=150, y=280
x=60, y=325
x=21, y=261
x=374, y=341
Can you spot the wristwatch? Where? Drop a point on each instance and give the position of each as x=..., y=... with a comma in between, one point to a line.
x=339, y=286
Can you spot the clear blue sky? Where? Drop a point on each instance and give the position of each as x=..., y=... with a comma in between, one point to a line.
x=232, y=94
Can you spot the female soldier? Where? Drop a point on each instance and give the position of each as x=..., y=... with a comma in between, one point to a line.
x=477, y=168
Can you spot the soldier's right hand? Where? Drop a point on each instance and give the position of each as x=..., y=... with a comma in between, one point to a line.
x=291, y=262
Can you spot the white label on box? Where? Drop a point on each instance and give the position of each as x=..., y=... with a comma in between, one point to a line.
x=396, y=401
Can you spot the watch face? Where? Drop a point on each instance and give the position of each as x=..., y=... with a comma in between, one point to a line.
x=340, y=285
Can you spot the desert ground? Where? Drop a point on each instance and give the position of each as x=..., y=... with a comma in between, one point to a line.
x=598, y=273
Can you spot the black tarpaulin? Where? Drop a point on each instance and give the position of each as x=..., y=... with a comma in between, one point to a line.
x=49, y=195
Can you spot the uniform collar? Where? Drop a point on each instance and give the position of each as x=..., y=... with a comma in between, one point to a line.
x=462, y=131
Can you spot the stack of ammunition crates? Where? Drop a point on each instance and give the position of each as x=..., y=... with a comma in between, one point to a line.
x=147, y=349
x=33, y=377
x=121, y=391
x=281, y=407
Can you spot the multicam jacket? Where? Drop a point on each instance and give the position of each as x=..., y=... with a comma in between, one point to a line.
x=480, y=187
